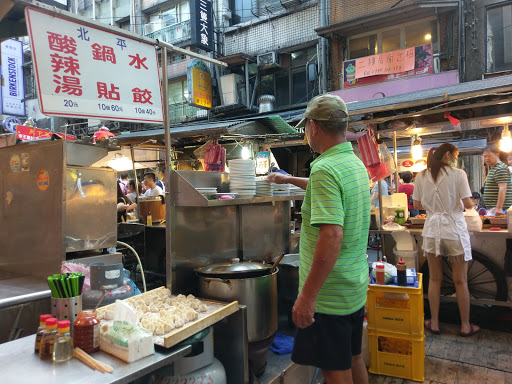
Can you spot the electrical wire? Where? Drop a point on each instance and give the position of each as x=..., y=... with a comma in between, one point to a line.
x=138, y=259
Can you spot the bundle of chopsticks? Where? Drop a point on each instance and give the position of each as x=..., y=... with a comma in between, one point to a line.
x=66, y=285
x=90, y=361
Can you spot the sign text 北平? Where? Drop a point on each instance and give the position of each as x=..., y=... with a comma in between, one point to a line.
x=89, y=72
x=13, y=91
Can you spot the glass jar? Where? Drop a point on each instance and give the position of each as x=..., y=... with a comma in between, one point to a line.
x=86, y=331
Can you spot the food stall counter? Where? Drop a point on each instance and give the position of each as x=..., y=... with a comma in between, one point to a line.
x=26, y=367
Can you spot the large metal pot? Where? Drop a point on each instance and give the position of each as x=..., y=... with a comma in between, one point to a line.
x=251, y=284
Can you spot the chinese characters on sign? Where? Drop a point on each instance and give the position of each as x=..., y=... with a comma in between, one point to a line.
x=422, y=65
x=24, y=133
x=13, y=91
x=201, y=24
x=199, y=84
x=385, y=63
x=94, y=73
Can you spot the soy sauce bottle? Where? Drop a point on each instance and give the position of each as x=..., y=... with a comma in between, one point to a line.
x=401, y=273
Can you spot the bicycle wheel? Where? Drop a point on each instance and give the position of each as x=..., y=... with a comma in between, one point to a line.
x=486, y=280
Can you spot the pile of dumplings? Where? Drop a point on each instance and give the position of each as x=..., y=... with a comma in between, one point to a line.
x=158, y=312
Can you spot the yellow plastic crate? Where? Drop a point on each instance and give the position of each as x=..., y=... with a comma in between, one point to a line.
x=397, y=355
x=396, y=309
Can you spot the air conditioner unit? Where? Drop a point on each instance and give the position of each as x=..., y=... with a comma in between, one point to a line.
x=268, y=60
x=290, y=3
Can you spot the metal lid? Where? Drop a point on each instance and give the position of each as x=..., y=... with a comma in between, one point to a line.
x=234, y=268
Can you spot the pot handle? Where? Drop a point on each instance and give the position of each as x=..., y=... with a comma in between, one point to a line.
x=216, y=279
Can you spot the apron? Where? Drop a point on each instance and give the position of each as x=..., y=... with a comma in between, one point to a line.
x=439, y=218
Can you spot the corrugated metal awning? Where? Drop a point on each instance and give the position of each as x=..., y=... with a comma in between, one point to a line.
x=257, y=126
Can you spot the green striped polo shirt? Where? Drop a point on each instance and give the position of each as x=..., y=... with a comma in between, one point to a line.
x=338, y=192
x=498, y=174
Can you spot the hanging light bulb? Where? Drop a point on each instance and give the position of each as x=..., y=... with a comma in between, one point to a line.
x=416, y=150
x=246, y=154
x=506, y=140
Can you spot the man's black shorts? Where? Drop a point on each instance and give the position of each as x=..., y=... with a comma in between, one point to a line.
x=330, y=342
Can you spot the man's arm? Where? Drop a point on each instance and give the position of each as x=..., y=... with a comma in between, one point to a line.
x=279, y=178
x=417, y=205
x=327, y=250
x=501, y=197
x=375, y=196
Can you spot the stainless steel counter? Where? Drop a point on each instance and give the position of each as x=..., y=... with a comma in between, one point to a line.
x=17, y=289
x=23, y=366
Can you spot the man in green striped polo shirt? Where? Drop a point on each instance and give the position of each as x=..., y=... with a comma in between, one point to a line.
x=333, y=270
x=497, y=188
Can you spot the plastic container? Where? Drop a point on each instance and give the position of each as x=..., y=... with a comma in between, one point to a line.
x=410, y=258
x=87, y=331
x=149, y=219
x=401, y=273
x=48, y=339
x=397, y=355
x=396, y=309
x=63, y=347
x=40, y=330
x=380, y=276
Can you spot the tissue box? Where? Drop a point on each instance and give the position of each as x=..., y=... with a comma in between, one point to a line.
x=127, y=342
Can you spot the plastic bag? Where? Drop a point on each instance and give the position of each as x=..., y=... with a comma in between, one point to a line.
x=473, y=220
x=389, y=271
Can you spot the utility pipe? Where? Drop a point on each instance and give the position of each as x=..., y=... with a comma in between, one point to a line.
x=169, y=195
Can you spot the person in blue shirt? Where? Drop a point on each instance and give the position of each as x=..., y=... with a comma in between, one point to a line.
x=375, y=192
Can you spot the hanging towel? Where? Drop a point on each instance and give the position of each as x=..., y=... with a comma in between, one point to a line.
x=282, y=344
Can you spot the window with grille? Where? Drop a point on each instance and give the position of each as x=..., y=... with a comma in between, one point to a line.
x=499, y=38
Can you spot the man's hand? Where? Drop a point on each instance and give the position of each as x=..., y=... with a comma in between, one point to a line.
x=303, y=311
x=499, y=211
x=277, y=177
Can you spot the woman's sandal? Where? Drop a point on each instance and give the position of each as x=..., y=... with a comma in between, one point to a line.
x=428, y=325
x=472, y=331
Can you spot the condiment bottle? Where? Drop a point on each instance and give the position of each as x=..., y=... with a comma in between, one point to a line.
x=401, y=273
x=149, y=219
x=86, y=331
x=380, y=277
x=48, y=339
x=63, y=347
x=40, y=330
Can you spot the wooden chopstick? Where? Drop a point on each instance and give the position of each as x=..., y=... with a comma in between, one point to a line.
x=91, y=361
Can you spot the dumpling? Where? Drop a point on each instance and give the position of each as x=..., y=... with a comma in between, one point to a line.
x=202, y=308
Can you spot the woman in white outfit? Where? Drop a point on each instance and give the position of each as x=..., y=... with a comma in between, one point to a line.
x=439, y=190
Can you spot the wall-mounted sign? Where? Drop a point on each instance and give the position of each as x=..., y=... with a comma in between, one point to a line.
x=262, y=162
x=422, y=60
x=411, y=165
x=199, y=84
x=25, y=133
x=88, y=72
x=13, y=87
x=201, y=26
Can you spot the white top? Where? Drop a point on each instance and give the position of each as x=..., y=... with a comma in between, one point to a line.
x=157, y=191
x=442, y=201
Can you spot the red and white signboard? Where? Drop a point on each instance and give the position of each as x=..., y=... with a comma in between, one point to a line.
x=25, y=133
x=411, y=165
x=87, y=72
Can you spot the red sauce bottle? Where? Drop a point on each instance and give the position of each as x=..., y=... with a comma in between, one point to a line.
x=86, y=332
